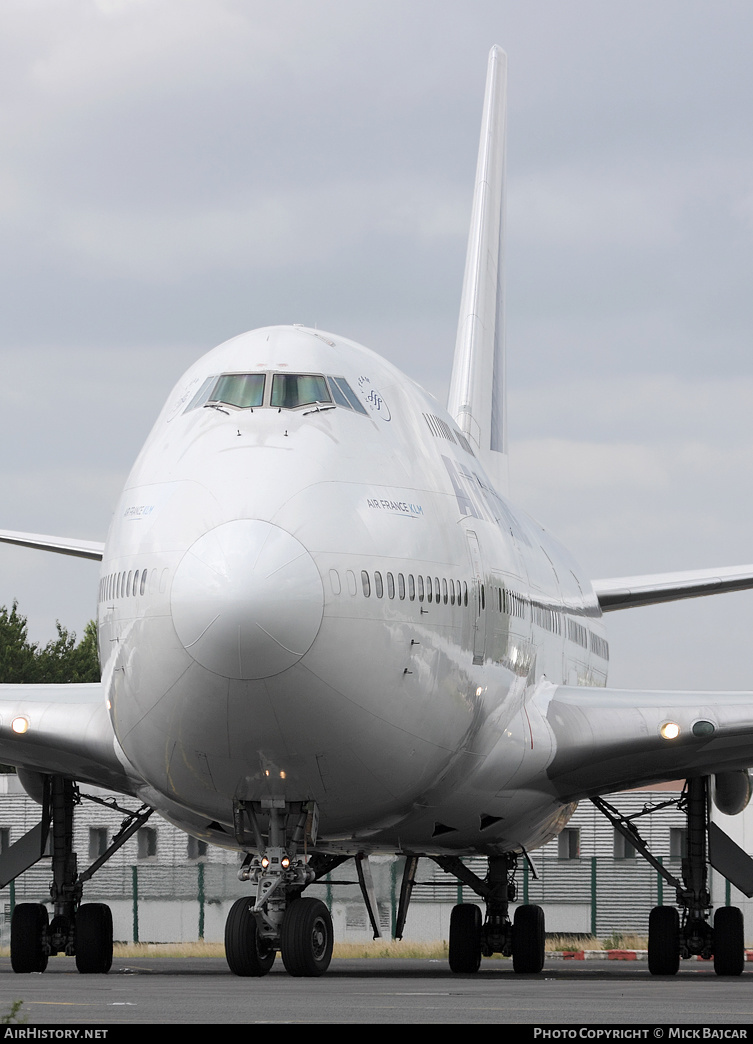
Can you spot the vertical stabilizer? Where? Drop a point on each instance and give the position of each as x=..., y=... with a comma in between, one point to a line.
x=477, y=390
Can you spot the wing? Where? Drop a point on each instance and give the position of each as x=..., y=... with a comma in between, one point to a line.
x=611, y=739
x=91, y=549
x=63, y=729
x=626, y=592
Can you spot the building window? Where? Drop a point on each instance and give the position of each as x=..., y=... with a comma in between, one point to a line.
x=678, y=842
x=97, y=842
x=147, y=842
x=196, y=849
x=623, y=849
x=568, y=843
x=4, y=839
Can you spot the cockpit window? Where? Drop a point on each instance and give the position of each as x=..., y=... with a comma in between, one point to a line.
x=202, y=394
x=344, y=395
x=290, y=390
x=243, y=390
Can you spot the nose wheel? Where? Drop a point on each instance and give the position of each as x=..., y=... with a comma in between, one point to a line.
x=307, y=938
x=248, y=953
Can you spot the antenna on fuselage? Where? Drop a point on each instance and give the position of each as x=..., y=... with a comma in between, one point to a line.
x=477, y=389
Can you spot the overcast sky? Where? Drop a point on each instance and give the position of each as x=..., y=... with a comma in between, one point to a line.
x=175, y=172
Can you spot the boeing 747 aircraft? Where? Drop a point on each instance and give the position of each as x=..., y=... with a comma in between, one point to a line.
x=325, y=632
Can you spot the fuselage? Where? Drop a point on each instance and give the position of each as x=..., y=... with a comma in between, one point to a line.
x=310, y=591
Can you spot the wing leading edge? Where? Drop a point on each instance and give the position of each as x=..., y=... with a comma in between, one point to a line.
x=611, y=739
x=63, y=729
x=91, y=549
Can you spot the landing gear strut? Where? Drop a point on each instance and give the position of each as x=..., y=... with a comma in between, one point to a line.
x=523, y=939
x=671, y=934
x=76, y=929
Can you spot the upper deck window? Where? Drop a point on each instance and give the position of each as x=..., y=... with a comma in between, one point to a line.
x=291, y=390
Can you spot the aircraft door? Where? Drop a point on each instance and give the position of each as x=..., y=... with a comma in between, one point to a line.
x=479, y=597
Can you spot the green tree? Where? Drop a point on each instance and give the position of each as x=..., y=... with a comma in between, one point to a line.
x=59, y=661
x=17, y=654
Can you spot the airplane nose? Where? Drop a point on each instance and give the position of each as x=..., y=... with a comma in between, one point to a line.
x=247, y=600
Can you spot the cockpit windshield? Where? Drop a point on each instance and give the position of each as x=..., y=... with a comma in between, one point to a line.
x=243, y=390
x=290, y=390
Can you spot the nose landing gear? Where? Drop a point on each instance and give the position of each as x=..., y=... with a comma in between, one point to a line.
x=280, y=918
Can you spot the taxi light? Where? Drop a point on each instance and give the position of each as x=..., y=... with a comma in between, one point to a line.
x=670, y=730
x=20, y=725
x=285, y=862
x=265, y=862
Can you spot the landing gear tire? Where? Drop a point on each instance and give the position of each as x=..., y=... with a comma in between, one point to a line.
x=465, y=938
x=28, y=930
x=307, y=938
x=247, y=953
x=663, y=940
x=94, y=939
x=729, y=941
x=528, y=940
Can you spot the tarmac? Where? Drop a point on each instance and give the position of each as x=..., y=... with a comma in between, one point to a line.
x=573, y=992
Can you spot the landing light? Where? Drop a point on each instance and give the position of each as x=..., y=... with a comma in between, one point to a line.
x=20, y=725
x=670, y=730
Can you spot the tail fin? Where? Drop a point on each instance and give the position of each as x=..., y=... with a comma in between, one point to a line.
x=477, y=389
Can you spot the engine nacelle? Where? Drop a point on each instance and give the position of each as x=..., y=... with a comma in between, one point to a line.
x=33, y=784
x=731, y=791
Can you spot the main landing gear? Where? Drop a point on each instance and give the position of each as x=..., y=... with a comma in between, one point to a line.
x=674, y=934
x=280, y=917
x=83, y=930
x=473, y=937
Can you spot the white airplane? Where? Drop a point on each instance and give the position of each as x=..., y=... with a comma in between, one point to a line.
x=324, y=632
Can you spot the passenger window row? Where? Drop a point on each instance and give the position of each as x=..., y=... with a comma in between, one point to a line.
x=441, y=430
x=449, y=592
x=455, y=592
x=130, y=583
